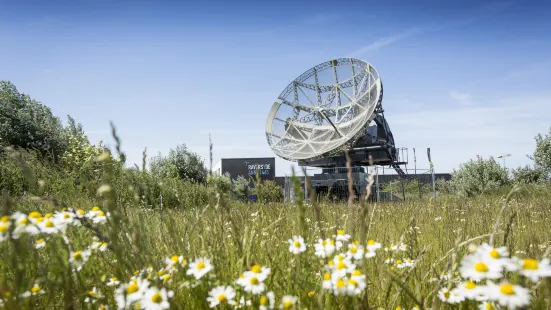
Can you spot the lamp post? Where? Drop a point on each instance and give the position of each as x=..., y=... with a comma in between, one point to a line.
x=503, y=156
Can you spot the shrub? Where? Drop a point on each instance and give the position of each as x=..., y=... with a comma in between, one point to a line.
x=527, y=174
x=479, y=176
x=25, y=123
x=180, y=163
x=268, y=191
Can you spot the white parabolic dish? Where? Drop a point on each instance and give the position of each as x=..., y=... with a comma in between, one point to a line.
x=325, y=108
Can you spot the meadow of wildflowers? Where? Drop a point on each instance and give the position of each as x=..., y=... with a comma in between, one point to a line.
x=486, y=252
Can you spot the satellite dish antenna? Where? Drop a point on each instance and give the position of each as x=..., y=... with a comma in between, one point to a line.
x=330, y=107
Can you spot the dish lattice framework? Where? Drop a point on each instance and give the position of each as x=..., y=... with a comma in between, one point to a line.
x=310, y=120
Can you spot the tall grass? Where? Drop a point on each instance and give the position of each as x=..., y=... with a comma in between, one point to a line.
x=236, y=236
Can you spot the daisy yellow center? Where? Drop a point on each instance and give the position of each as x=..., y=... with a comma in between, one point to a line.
x=340, y=283
x=398, y=262
x=39, y=241
x=113, y=279
x=297, y=244
x=447, y=294
x=340, y=232
x=288, y=305
x=80, y=212
x=5, y=218
x=91, y=293
x=264, y=300
x=24, y=221
x=95, y=208
x=530, y=264
x=481, y=267
x=132, y=288
x=35, y=289
x=254, y=281
x=157, y=298
x=327, y=276
x=256, y=268
x=104, y=244
x=174, y=258
x=49, y=224
x=101, y=213
x=409, y=260
x=39, y=219
x=341, y=265
x=340, y=258
x=48, y=215
x=398, y=308
x=35, y=214
x=353, y=282
x=66, y=216
x=356, y=273
x=353, y=249
x=495, y=254
x=324, y=242
x=330, y=263
x=470, y=285
x=507, y=289
x=489, y=306
x=160, y=273
x=3, y=228
x=311, y=294
x=77, y=255
x=222, y=298
x=200, y=265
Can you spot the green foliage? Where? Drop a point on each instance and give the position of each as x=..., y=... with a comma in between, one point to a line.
x=527, y=174
x=240, y=189
x=221, y=183
x=542, y=154
x=267, y=191
x=411, y=187
x=25, y=123
x=180, y=163
x=479, y=176
x=445, y=186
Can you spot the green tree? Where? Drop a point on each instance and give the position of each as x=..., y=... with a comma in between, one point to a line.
x=542, y=154
x=25, y=123
x=268, y=191
x=240, y=188
x=180, y=163
x=479, y=176
x=528, y=174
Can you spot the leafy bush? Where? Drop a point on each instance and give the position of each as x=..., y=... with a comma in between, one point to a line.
x=445, y=186
x=268, y=191
x=25, y=123
x=528, y=174
x=240, y=189
x=180, y=163
x=542, y=153
x=479, y=176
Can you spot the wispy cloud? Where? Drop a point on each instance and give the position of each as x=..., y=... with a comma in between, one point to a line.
x=482, y=11
x=461, y=98
x=384, y=41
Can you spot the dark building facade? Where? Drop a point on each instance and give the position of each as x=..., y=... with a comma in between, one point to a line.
x=247, y=167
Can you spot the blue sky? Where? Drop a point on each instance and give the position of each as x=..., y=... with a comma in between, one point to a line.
x=463, y=78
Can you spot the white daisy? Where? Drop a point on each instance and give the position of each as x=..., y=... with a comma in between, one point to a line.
x=154, y=299
x=252, y=284
x=355, y=251
x=129, y=293
x=288, y=302
x=199, y=267
x=373, y=246
x=508, y=295
x=113, y=282
x=221, y=295
x=297, y=245
x=40, y=243
x=532, y=269
x=476, y=268
x=324, y=248
x=470, y=290
x=448, y=296
x=267, y=301
x=79, y=258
